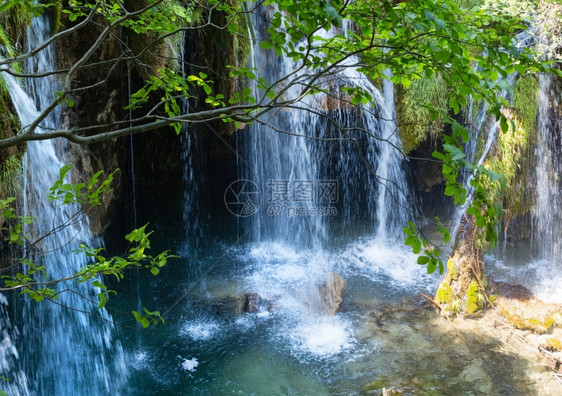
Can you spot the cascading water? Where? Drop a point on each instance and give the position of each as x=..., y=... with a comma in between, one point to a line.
x=16, y=382
x=534, y=263
x=289, y=346
x=536, y=267
x=364, y=167
x=64, y=351
x=547, y=214
x=318, y=176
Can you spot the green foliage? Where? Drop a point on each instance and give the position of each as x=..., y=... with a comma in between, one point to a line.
x=484, y=206
x=89, y=194
x=116, y=266
x=13, y=223
x=34, y=281
x=147, y=317
x=173, y=87
x=430, y=255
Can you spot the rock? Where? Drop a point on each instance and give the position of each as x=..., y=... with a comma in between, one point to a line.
x=331, y=293
x=254, y=303
x=514, y=291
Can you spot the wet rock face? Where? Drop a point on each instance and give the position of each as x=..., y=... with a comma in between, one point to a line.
x=331, y=293
x=101, y=104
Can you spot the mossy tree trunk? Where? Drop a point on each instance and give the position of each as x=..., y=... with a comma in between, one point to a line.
x=465, y=288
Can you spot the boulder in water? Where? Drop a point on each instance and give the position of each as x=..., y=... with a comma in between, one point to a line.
x=331, y=293
x=254, y=303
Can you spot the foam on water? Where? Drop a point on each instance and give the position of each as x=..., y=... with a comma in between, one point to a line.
x=322, y=337
x=383, y=262
x=200, y=331
x=286, y=276
x=140, y=359
x=189, y=364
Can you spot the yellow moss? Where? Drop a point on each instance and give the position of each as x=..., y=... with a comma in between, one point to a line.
x=557, y=317
x=452, y=266
x=537, y=326
x=515, y=320
x=444, y=293
x=474, y=300
x=553, y=345
x=533, y=324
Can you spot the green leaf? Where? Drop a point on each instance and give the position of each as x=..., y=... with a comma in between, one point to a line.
x=102, y=300
x=503, y=123
x=431, y=266
x=266, y=45
x=422, y=260
x=416, y=247
x=144, y=322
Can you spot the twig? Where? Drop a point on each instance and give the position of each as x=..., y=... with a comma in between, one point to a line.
x=431, y=300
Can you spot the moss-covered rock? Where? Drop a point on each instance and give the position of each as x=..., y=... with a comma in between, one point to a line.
x=13, y=26
x=414, y=120
x=10, y=158
x=526, y=101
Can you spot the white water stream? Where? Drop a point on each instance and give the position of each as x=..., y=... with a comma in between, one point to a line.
x=66, y=347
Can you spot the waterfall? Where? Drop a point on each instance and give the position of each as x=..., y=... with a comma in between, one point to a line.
x=547, y=214
x=64, y=351
x=309, y=187
x=316, y=175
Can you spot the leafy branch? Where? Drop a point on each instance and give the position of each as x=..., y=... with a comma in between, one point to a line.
x=33, y=280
